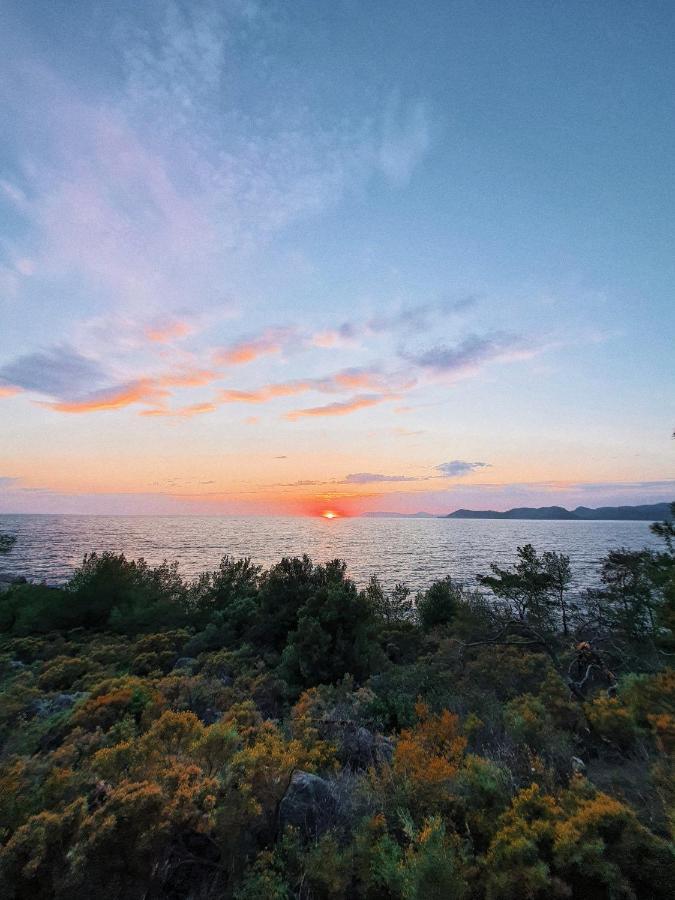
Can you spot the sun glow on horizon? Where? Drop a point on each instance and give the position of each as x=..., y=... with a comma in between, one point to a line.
x=330, y=514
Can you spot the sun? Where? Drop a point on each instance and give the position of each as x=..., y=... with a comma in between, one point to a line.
x=329, y=514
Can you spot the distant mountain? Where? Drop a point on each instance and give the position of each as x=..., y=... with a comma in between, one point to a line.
x=397, y=515
x=652, y=512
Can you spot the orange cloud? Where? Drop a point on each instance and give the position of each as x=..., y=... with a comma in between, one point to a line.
x=263, y=394
x=189, y=378
x=341, y=408
x=170, y=331
x=142, y=391
x=9, y=391
x=269, y=342
x=194, y=409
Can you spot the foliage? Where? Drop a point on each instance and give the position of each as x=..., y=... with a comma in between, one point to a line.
x=528, y=588
x=152, y=730
x=439, y=605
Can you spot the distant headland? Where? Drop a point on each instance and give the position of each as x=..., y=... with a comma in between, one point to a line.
x=651, y=512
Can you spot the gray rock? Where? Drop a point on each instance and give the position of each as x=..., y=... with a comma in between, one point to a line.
x=17, y=665
x=309, y=804
x=360, y=748
x=578, y=765
x=44, y=707
x=384, y=750
x=186, y=662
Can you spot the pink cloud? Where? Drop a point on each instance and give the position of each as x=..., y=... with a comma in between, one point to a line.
x=169, y=331
x=340, y=408
x=142, y=391
x=184, y=412
x=268, y=343
x=9, y=391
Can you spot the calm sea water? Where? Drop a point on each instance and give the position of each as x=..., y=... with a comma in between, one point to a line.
x=416, y=551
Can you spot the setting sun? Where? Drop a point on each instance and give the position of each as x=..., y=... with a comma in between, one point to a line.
x=329, y=514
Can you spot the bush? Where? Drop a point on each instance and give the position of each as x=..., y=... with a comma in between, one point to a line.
x=439, y=605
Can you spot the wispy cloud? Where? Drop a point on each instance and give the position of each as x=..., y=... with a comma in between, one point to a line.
x=458, y=467
x=340, y=407
x=406, y=137
x=164, y=332
x=59, y=371
x=183, y=412
x=375, y=478
x=143, y=391
x=271, y=341
x=470, y=354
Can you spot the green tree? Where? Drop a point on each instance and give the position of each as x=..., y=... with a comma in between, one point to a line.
x=227, y=597
x=335, y=633
x=439, y=605
x=525, y=589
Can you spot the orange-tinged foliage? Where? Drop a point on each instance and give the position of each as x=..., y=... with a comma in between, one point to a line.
x=427, y=756
x=663, y=726
x=612, y=721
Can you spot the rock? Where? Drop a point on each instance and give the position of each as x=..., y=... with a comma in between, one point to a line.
x=578, y=765
x=186, y=662
x=308, y=804
x=358, y=747
x=44, y=707
x=384, y=750
x=17, y=665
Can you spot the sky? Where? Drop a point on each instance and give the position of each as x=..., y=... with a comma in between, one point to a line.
x=278, y=258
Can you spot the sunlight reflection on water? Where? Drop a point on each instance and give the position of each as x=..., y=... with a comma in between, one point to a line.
x=416, y=551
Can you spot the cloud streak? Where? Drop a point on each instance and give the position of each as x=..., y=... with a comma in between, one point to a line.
x=470, y=354
x=456, y=468
x=271, y=341
x=375, y=478
x=339, y=408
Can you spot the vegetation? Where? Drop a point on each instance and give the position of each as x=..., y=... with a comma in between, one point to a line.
x=282, y=734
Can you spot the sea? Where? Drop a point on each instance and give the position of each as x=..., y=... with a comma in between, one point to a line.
x=413, y=551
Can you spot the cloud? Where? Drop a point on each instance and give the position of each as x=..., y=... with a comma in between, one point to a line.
x=150, y=187
x=340, y=408
x=458, y=467
x=142, y=391
x=372, y=478
x=419, y=316
x=79, y=384
x=60, y=372
x=271, y=341
x=406, y=137
x=187, y=377
x=341, y=336
x=337, y=382
x=183, y=412
x=472, y=353
x=162, y=333
x=263, y=394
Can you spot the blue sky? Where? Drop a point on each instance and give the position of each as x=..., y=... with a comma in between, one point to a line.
x=269, y=257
